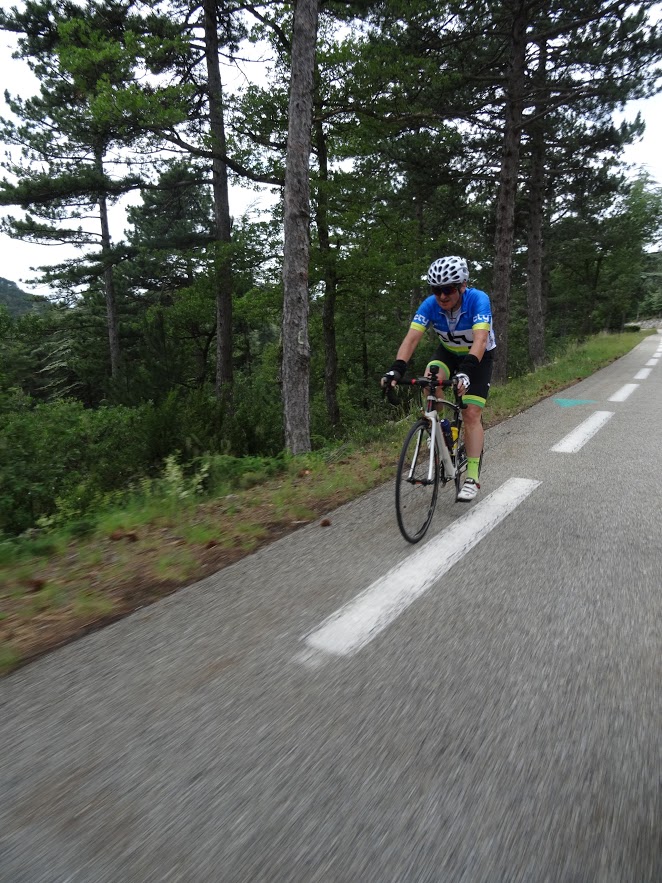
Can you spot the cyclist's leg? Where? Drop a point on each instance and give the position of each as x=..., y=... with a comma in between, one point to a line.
x=474, y=437
x=475, y=399
x=447, y=364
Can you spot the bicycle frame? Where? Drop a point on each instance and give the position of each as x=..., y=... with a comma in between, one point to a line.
x=431, y=414
x=418, y=482
x=437, y=438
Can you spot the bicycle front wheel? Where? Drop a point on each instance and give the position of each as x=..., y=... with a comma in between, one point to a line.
x=415, y=489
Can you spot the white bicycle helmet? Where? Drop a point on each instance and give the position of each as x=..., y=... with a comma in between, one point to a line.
x=448, y=271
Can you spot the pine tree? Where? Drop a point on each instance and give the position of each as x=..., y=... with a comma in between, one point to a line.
x=76, y=136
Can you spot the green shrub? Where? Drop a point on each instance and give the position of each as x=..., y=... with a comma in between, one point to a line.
x=254, y=426
x=225, y=473
x=60, y=461
x=61, y=456
x=39, y=450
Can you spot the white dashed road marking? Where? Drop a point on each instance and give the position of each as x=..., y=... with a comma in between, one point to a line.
x=579, y=436
x=351, y=627
x=643, y=374
x=623, y=392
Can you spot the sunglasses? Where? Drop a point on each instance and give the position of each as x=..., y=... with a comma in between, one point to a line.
x=443, y=290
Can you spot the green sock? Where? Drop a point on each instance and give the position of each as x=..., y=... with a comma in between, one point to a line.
x=472, y=467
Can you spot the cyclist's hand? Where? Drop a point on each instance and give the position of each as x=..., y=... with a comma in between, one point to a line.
x=390, y=378
x=395, y=373
x=462, y=384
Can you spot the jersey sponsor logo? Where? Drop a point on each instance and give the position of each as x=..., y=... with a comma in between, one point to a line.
x=420, y=319
x=456, y=339
x=482, y=317
x=460, y=339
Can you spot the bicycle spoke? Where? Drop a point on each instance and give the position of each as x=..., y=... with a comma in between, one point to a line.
x=416, y=490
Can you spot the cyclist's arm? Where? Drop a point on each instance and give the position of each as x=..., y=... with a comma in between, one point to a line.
x=472, y=359
x=479, y=344
x=411, y=341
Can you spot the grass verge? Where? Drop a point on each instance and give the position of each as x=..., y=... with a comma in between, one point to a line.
x=59, y=586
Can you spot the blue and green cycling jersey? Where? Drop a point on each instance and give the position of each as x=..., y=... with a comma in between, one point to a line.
x=456, y=332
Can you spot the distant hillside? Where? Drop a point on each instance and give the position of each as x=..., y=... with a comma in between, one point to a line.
x=19, y=302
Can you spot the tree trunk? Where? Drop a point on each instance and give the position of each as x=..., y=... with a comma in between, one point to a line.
x=535, y=312
x=330, y=282
x=296, y=251
x=109, y=283
x=222, y=263
x=593, y=278
x=505, y=209
x=365, y=358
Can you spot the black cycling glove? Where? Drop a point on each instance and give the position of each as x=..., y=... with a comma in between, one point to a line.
x=395, y=372
x=468, y=364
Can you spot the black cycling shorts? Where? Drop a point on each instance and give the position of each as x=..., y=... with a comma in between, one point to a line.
x=481, y=376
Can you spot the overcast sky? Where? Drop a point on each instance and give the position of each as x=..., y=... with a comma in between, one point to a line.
x=17, y=258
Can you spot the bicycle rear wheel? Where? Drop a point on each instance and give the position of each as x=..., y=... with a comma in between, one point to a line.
x=415, y=492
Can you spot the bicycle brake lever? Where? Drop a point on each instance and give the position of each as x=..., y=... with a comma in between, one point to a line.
x=460, y=400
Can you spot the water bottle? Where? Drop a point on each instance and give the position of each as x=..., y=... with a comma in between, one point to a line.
x=446, y=430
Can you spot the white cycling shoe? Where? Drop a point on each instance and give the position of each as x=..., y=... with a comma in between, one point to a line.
x=469, y=490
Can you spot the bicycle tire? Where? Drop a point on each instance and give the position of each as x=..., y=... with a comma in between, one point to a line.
x=415, y=495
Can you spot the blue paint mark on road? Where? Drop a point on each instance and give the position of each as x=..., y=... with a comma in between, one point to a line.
x=570, y=403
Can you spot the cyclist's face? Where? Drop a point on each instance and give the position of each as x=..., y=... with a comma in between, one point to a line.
x=448, y=296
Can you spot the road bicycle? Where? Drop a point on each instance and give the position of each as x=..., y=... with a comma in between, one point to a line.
x=433, y=453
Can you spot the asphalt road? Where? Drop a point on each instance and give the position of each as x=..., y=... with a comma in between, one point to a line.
x=503, y=726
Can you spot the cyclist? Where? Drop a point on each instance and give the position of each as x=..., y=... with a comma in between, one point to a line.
x=462, y=318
